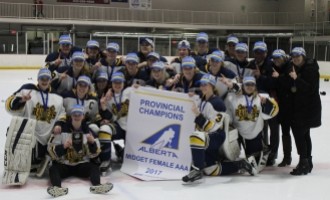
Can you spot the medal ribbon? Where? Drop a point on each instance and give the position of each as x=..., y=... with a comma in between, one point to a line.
x=118, y=104
x=80, y=100
x=44, y=101
x=240, y=75
x=249, y=104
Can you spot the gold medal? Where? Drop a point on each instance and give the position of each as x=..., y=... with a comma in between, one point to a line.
x=43, y=115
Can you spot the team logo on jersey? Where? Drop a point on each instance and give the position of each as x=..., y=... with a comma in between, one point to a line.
x=120, y=110
x=243, y=115
x=42, y=114
x=168, y=137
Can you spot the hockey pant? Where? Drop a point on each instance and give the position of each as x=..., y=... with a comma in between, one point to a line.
x=18, y=150
x=59, y=171
x=205, y=147
x=205, y=153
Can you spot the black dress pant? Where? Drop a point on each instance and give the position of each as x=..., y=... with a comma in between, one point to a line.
x=303, y=140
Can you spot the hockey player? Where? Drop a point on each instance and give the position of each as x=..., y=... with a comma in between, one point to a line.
x=159, y=77
x=230, y=47
x=188, y=79
x=117, y=103
x=240, y=63
x=146, y=46
x=215, y=66
x=93, y=54
x=248, y=110
x=262, y=67
x=301, y=85
x=71, y=152
x=155, y=57
x=97, y=117
x=60, y=61
x=134, y=74
x=184, y=50
x=206, y=141
x=37, y=102
x=111, y=63
x=101, y=84
x=202, y=49
x=65, y=81
x=152, y=57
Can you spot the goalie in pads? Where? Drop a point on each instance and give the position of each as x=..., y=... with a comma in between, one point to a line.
x=209, y=137
x=35, y=109
x=71, y=152
x=248, y=110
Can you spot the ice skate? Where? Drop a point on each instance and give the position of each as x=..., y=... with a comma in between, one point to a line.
x=101, y=189
x=247, y=166
x=105, y=167
x=57, y=191
x=193, y=176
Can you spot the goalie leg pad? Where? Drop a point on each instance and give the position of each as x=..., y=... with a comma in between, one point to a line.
x=199, y=140
x=18, y=150
x=230, y=149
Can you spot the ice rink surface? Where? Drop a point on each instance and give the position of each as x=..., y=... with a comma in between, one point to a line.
x=272, y=184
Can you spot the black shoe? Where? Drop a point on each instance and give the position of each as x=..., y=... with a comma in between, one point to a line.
x=285, y=162
x=270, y=162
x=310, y=162
x=302, y=168
x=194, y=175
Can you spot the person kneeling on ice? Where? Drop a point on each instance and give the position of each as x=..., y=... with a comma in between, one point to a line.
x=71, y=152
x=210, y=135
x=248, y=110
x=35, y=110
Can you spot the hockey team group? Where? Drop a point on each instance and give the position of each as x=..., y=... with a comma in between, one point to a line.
x=69, y=121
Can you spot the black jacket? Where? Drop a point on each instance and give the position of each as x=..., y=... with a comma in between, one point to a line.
x=303, y=106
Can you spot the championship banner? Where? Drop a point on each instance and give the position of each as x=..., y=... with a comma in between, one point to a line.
x=140, y=4
x=85, y=1
x=157, y=138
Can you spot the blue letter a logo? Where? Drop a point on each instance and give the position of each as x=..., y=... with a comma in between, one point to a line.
x=167, y=137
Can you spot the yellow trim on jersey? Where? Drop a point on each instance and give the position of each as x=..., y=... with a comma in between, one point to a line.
x=196, y=141
x=209, y=125
x=104, y=136
x=9, y=101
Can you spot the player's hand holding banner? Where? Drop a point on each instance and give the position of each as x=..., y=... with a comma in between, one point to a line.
x=157, y=139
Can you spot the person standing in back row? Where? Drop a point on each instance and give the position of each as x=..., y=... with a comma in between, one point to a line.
x=301, y=85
